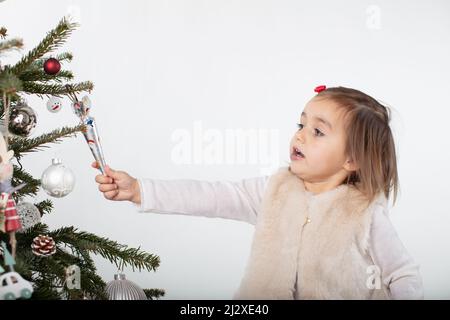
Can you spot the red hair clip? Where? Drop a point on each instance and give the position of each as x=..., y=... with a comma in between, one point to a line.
x=320, y=88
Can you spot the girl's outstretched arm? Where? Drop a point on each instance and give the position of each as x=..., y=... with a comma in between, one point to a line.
x=238, y=200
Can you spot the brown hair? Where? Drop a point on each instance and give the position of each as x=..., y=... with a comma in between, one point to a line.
x=370, y=143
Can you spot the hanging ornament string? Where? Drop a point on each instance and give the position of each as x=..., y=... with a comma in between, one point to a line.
x=71, y=94
x=120, y=266
x=18, y=161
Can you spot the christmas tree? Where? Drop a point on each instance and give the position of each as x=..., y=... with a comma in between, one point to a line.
x=42, y=256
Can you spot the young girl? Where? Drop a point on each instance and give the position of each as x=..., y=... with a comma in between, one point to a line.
x=322, y=229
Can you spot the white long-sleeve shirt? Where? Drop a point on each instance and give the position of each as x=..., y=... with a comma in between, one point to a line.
x=241, y=200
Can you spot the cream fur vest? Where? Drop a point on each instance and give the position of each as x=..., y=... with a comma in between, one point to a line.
x=309, y=246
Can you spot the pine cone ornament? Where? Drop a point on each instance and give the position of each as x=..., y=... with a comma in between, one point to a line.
x=43, y=246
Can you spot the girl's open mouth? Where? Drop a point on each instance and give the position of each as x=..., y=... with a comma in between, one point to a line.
x=297, y=154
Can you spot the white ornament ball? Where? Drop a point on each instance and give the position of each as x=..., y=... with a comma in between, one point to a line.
x=58, y=180
x=29, y=215
x=54, y=104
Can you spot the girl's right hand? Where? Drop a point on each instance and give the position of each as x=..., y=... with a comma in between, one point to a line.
x=118, y=185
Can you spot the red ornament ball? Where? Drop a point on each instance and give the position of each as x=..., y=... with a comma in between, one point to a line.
x=52, y=66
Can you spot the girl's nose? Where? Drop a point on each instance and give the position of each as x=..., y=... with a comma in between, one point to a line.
x=300, y=136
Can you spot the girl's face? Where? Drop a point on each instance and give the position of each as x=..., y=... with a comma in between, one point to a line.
x=317, y=148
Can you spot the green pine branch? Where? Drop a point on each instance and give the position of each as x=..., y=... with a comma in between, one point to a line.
x=32, y=184
x=13, y=98
x=91, y=284
x=3, y=32
x=35, y=71
x=50, y=272
x=21, y=145
x=116, y=253
x=43, y=290
x=40, y=75
x=12, y=44
x=74, y=248
x=154, y=293
x=30, y=233
x=44, y=207
x=9, y=82
x=61, y=57
x=52, y=41
x=56, y=89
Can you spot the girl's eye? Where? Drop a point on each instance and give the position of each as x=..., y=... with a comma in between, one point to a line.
x=318, y=132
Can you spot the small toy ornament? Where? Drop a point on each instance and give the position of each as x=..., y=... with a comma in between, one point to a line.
x=12, y=285
x=54, y=104
x=43, y=246
x=58, y=180
x=52, y=66
x=22, y=120
x=122, y=289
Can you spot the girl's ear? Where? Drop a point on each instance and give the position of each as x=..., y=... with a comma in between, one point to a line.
x=350, y=165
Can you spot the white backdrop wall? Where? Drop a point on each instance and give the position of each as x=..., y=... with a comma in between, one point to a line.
x=205, y=68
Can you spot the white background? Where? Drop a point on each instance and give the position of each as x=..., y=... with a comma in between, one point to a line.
x=159, y=66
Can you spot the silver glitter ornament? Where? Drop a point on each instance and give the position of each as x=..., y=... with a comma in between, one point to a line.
x=58, y=180
x=122, y=289
x=22, y=120
x=29, y=215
